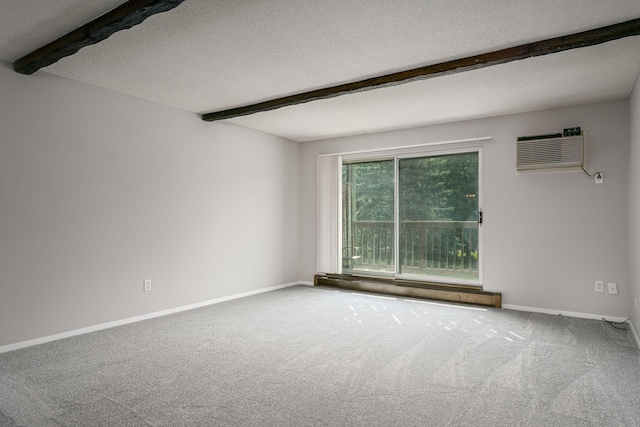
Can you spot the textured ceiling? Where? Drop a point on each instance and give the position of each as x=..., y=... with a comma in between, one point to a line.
x=208, y=55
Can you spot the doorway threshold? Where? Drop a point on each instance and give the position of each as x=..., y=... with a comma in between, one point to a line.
x=411, y=288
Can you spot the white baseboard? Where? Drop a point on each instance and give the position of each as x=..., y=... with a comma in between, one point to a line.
x=102, y=326
x=218, y=300
x=563, y=313
x=43, y=340
x=635, y=334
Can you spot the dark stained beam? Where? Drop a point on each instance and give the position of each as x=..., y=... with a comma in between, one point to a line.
x=529, y=50
x=123, y=17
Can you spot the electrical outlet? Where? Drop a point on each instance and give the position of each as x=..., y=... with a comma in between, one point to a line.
x=613, y=288
x=147, y=286
x=599, y=178
x=599, y=286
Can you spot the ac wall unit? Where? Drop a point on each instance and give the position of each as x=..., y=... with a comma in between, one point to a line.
x=554, y=153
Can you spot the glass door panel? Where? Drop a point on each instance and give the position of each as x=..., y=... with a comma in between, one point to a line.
x=438, y=214
x=368, y=217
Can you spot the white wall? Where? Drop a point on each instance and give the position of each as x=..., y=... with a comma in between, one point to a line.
x=634, y=208
x=100, y=191
x=548, y=237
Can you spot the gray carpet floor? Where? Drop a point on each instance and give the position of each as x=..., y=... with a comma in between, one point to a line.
x=305, y=356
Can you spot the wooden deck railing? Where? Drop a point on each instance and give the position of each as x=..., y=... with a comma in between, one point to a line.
x=425, y=247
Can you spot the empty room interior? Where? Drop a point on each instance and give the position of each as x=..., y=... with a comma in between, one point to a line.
x=319, y=212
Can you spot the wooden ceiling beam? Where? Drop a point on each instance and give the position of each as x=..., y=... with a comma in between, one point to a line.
x=529, y=50
x=125, y=16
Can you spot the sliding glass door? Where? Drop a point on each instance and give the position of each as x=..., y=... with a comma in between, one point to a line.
x=438, y=217
x=413, y=217
x=368, y=211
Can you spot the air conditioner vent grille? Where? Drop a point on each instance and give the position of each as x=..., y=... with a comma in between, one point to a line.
x=562, y=152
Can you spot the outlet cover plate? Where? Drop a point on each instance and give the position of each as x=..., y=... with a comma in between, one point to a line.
x=613, y=288
x=599, y=178
x=599, y=286
x=146, y=286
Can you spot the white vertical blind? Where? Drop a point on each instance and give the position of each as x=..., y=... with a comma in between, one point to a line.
x=329, y=214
